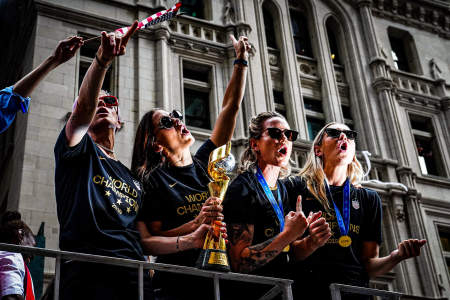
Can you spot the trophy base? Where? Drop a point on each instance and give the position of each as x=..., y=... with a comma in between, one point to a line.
x=214, y=260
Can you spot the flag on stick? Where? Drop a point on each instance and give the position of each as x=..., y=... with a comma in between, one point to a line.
x=161, y=16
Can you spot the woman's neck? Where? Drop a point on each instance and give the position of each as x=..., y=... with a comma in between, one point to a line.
x=336, y=175
x=106, y=141
x=270, y=173
x=179, y=159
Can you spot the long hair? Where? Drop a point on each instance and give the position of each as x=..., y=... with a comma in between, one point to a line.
x=314, y=175
x=14, y=231
x=256, y=128
x=145, y=159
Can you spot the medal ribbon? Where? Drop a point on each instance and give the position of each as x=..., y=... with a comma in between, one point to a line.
x=277, y=207
x=344, y=219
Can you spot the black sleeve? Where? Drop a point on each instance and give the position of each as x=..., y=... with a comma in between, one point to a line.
x=202, y=154
x=237, y=205
x=63, y=151
x=152, y=206
x=371, y=229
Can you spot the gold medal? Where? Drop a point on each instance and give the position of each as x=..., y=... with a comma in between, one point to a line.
x=287, y=248
x=345, y=241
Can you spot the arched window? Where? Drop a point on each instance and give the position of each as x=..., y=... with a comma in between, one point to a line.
x=301, y=34
x=269, y=28
x=403, y=51
x=332, y=42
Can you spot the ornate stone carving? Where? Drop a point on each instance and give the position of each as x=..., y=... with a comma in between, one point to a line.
x=435, y=71
x=229, y=16
x=273, y=59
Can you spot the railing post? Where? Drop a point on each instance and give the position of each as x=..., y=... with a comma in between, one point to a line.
x=57, y=277
x=141, y=282
x=216, y=288
x=287, y=291
x=335, y=292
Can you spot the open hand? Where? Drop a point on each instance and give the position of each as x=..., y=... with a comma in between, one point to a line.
x=66, y=49
x=242, y=47
x=112, y=45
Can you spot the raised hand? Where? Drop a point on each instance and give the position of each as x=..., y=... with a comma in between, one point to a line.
x=408, y=248
x=66, y=49
x=112, y=45
x=242, y=47
x=319, y=230
x=295, y=223
x=211, y=211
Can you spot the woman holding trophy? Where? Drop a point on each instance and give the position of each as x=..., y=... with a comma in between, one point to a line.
x=260, y=225
x=177, y=200
x=330, y=182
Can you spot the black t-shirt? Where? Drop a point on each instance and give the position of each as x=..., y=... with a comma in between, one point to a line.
x=331, y=262
x=175, y=196
x=246, y=202
x=97, y=201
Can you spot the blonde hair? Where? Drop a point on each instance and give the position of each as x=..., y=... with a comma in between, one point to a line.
x=312, y=172
x=256, y=128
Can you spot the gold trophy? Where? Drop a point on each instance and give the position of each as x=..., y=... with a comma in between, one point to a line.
x=214, y=253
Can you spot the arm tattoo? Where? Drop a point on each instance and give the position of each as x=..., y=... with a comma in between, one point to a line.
x=257, y=256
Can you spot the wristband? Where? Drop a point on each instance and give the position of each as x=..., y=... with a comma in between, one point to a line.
x=100, y=63
x=240, y=61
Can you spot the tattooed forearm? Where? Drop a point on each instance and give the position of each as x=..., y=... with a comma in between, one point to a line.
x=246, y=258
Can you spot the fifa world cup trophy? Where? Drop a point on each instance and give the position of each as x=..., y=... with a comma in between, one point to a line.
x=214, y=253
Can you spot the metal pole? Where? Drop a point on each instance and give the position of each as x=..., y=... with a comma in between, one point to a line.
x=287, y=291
x=216, y=288
x=57, y=277
x=141, y=282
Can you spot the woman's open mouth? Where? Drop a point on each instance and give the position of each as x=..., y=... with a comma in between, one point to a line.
x=184, y=131
x=283, y=150
x=343, y=146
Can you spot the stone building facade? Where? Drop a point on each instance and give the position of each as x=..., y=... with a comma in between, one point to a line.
x=380, y=66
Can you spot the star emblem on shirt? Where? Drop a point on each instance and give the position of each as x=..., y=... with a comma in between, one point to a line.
x=128, y=210
x=108, y=193
x=119, y=201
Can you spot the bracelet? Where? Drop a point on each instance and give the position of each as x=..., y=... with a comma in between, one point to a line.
x=100, y=63
x=240, y=61
x=178, y=243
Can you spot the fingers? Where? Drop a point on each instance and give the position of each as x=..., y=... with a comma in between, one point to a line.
x=129, y=33
x=314, y=216
x=233, y=39
x=298, y=206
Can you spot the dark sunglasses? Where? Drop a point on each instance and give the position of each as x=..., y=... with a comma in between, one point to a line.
x=275, y=133
x=167, y=122
x=335, y=133
x=109, y=100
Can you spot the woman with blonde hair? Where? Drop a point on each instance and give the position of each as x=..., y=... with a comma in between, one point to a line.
x=259, y=221
x=330, y=181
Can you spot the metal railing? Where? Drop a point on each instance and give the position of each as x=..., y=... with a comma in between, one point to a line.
x=279, y=285
x=336, y=290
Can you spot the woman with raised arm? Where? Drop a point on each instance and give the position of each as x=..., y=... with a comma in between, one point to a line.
x=176, y=200
x=330, y=182
x=259, y=221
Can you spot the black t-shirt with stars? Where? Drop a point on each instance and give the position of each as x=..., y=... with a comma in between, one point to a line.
x=174, y=196
x=97, y=201
x=246, y=203
x=331, y=262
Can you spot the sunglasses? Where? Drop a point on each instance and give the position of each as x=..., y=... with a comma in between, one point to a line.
x=335, y=133
x=167, y=122
x=276, y=133
x=109, y=100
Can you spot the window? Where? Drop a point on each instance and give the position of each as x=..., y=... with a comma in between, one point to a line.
x=87, y=55
x=269, y=28
x=332, y=41
x=444, y=236
x=197, y=91
x=428, y=154
x=194, y=8
x=403, y=51
x=280, y=106
x=315, y=118
x=301, y=34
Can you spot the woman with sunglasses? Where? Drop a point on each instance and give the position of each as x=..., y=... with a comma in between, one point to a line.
x=330, y=182
x=260, y=224
x=176, y=200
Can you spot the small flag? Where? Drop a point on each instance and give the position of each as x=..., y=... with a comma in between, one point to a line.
x=161, y=16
